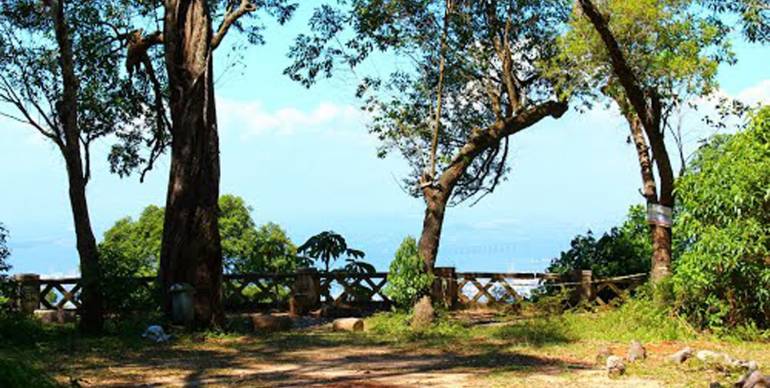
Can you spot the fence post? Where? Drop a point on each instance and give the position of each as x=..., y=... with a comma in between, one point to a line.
x=445, y=286
x=585, y=290
x=306, y=293
x=28, y=292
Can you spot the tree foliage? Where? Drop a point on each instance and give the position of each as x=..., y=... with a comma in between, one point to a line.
x=326, y=247
x=753, y=16
x=4, y=251
x=132, y=247
x=407, y=279
x=722, y=278
x=491, y=54
x=624, y=250
x=670, y=48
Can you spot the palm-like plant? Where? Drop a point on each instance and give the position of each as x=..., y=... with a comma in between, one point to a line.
x=327, y=247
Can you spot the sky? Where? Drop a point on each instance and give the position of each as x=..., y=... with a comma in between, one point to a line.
x=304, y=159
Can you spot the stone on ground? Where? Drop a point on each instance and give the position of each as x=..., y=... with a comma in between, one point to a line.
x=615, y=366
x=754, y=379
x=423, y=314
x=348, y=324
x=681, y=356
x=636, y=351
x=266, y=323
x=725, y=362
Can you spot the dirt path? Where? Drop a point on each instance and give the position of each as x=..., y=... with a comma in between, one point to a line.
x=250, y=362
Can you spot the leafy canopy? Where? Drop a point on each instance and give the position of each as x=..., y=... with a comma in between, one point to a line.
x=722, y=278
x=327, y=247
x=671, y=48
x=132, y=248
x=491, y=53
x=4, y=251
x=624, y=250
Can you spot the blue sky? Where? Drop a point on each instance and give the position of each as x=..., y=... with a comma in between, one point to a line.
x=303, y=158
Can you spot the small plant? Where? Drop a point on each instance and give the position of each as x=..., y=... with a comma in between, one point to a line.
x=407, y=280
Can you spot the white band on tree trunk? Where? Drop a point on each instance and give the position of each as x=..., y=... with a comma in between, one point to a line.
x=659, y=215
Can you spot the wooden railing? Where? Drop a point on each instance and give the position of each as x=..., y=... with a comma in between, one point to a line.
x=259, y=291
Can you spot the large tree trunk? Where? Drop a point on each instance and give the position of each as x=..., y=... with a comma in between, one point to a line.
x=91, y=310
x=191, y=250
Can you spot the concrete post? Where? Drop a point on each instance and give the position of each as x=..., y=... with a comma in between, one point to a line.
x=28, y=292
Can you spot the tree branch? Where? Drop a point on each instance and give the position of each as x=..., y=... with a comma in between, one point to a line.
x=231, y=17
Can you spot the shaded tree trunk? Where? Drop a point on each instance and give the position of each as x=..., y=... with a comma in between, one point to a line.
x=91, y=317
x=67, y=109
x=191, y=250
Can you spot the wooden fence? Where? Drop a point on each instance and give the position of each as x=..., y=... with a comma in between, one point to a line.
x=260, y=291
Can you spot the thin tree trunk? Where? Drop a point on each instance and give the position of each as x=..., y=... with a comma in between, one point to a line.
x=647, y=114
x=659, y=235
x=191, y=250
x=91, y=317
x=91, y=298
x=435, y=208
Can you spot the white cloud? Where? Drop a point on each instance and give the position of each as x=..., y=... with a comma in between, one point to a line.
x=759, y=93
x=252, y=118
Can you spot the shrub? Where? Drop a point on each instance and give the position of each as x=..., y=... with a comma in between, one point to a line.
x=407, y=279
x=722, y=278
x=19, y=373
x=623, y=250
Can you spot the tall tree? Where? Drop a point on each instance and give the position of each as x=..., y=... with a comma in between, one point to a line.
x=191, y=250
x=649, y=58
x=60, y=75
x=473, y=80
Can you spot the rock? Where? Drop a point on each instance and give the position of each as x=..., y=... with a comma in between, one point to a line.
x=754, y=379
x=348, y=324
x=615, y=366
x=423, y=314
x=266, y=323
x=715, y=384
x=156, y=333
x=602, y=354
x=56, y=316
x=725, y=362
x=681, y=356
x=636, y=351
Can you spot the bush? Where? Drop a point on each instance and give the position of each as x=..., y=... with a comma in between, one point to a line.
x=19, y=373
x=407, y=279
x=624, y=250
x=722, y=278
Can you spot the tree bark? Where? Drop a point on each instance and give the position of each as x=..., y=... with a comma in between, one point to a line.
x=67, y=109
x=646, y=114
x=91, y=311
x=191, y=250
x=435, y=208
x=437, y=195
